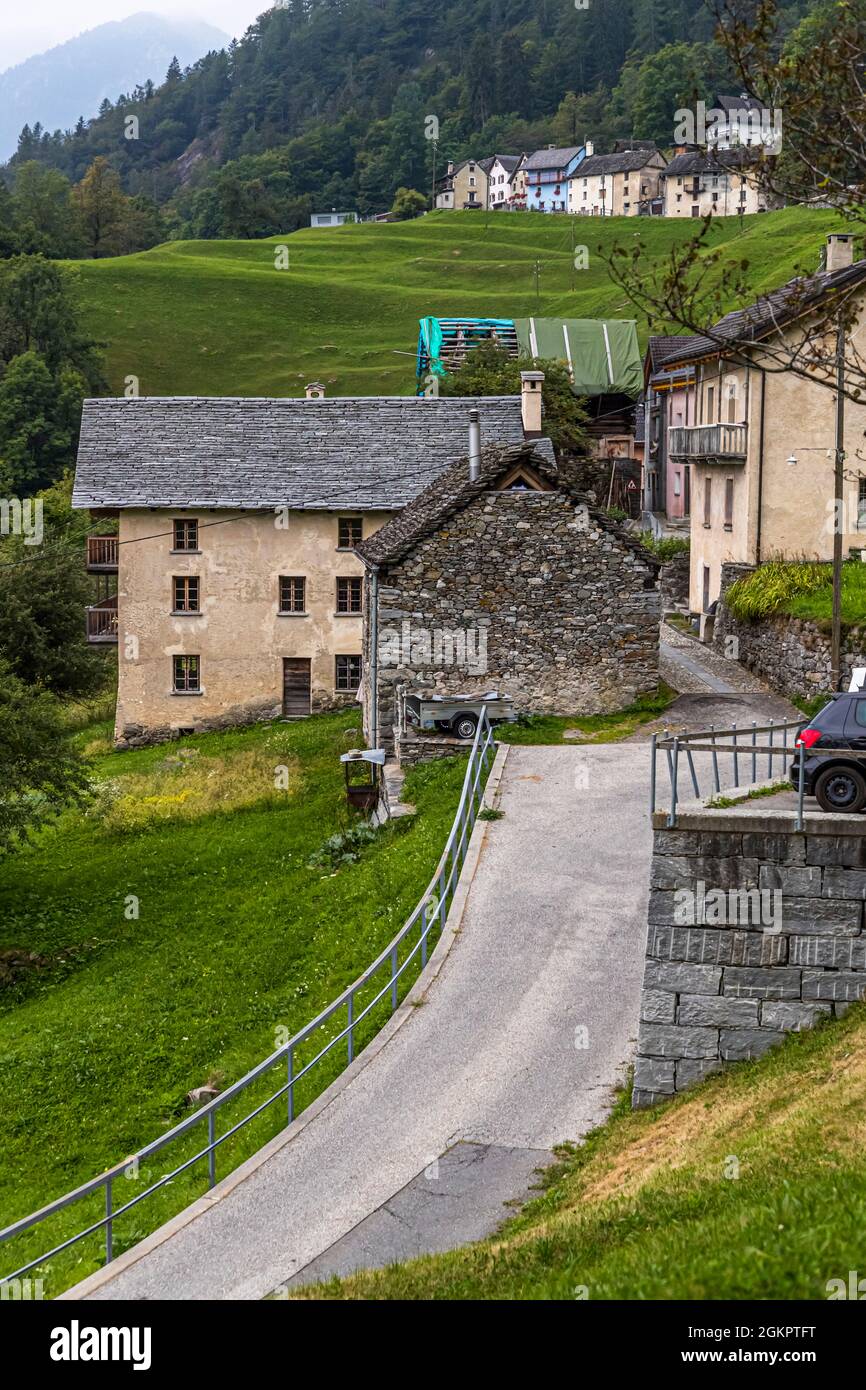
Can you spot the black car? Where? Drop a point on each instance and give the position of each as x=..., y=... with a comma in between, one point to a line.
x=837, y=783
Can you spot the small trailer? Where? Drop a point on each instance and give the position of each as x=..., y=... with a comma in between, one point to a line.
x=457, y=714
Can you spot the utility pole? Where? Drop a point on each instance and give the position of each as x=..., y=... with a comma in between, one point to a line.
x=537, y=285
x=838, y=487
x=433, y=190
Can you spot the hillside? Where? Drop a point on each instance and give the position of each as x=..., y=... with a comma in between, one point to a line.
x=750, y=1187
x=107, y=1020
x=216, y=318
x=73, y=79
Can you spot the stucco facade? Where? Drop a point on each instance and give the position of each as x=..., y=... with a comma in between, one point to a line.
x=239, y=635
x=596, y=190
x=763, y=506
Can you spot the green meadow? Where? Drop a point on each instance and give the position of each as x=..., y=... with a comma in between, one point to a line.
x=218, y=318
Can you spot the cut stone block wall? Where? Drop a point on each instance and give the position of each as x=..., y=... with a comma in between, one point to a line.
x=753, y=930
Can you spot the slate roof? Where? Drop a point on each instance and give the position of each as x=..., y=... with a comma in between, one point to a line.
x=375, y=453
x=711, y=161
x=626, y=162
x=770, y=312
x=740, y=103
x=553, y=159
x=509, y=162
x=454, y=490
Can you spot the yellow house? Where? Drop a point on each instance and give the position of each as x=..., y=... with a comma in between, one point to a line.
x=761, y=452
x=238, y=593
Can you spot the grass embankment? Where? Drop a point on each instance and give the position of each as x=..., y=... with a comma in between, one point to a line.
x=753, y=1186
x=107, y=1020
x=589, y=728
x=800, y=589
x=216, y=318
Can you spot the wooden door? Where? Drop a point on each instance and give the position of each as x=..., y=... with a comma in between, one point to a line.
x=296, y=686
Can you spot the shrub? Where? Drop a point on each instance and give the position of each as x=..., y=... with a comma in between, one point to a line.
x=774, y=584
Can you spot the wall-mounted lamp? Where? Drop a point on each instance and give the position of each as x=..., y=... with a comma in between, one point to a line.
x=792, y=461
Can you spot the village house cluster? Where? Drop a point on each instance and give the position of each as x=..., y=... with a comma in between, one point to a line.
x=637, y=178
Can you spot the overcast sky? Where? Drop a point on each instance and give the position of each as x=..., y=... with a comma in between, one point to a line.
x=39, y=24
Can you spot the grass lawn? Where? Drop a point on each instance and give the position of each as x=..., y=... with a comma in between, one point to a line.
x=237, y=936
x=594, y=728
x=752, y=1186
x=216, y=318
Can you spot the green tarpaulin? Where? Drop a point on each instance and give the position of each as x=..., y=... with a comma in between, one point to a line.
x=603, y=354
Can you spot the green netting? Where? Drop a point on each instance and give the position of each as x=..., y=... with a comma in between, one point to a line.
x=603, y=353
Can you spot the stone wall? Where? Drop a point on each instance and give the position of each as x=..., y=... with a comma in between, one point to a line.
x=523, y=592
x=754, y=930
x=790, y=654
x=674, y=582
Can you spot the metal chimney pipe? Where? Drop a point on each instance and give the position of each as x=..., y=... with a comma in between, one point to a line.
x=474, y=446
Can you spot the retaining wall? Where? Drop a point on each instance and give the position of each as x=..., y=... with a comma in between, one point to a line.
x=754, y=929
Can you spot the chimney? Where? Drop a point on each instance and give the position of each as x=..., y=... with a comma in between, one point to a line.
x=474, y=446
x=530, y=403
x=840, y=251
x=589, y=147
x=314, y=391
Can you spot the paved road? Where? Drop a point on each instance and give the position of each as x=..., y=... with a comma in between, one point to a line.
x=520, y=1041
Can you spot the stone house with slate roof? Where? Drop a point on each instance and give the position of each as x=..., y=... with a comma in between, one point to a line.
x=239, y=593
x=507, y=580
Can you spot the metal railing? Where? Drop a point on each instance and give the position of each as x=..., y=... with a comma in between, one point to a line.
x=707, y=441
x=429, y=916
x=740, y=745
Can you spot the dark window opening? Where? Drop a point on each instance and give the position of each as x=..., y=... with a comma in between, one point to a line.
x=348, y=672
x=349, y=595
x=348, y=532
x=186, y=535
x=187, y=675
x=186, y=593
x=292, y=593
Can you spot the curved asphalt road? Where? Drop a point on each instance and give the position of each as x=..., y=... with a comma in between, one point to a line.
x=518, y=1045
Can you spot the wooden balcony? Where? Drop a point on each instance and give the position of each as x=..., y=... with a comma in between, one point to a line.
x=708, y=443
x=102, y=554
x=102, y=621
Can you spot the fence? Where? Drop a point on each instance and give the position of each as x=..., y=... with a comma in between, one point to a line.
x=428, y=917
x=739, y=744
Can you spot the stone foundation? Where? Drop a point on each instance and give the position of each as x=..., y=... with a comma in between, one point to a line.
x=241, y=716
x=754, y=930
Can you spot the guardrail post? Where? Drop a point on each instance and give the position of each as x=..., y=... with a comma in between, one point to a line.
x=350, y=1016
x=675, y=767
x=393, y=979
x=109, y=1239
x=211, y=1154
x=716, y=783
x=653, y=741
x=754, y=754
x=736, y=758
x=802, y=781
x=770, y=755
x=290, y=1068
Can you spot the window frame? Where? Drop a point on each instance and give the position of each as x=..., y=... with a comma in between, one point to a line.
x=293, y=580
x=186, y=581
x=350, y=521
x=183, y=549
x=350, y=686
x=708, y=501
x=350, y=581
x=186, y=687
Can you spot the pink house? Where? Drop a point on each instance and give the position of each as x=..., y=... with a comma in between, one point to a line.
x=669, y=402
